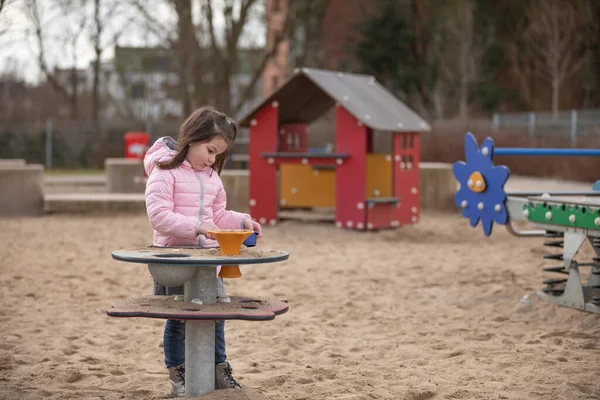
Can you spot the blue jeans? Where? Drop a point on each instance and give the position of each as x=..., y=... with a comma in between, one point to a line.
x=174, y=342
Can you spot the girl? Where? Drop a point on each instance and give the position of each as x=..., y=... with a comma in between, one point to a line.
x=185, y=199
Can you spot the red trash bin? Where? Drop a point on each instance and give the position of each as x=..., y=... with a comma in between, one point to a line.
x=136, y=144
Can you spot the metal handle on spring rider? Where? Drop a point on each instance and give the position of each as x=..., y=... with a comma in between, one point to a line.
x=526, y=233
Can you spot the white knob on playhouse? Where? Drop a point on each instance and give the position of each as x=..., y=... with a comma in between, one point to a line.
x=548, y=215
x=526, y=213
x=572, y=218
x=480, y=206
x=464, y=204
x=497, y=208
x=597, y=222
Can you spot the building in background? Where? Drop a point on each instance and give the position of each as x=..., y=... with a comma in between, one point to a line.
x=143, y=83
x=325, y=33
x=277, y=68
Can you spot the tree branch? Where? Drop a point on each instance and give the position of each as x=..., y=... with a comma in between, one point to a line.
x=152, y=24
x=237, y=26
x=35, y=17
x=211, y=30
x=259, y=71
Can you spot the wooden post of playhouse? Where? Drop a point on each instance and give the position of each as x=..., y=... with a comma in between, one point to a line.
x=263, y=199
x=350, y=176
x=406, y=176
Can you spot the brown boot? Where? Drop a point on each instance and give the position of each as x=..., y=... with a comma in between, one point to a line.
x=223, y=377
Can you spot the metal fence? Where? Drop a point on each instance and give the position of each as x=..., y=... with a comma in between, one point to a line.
x=571, y=124
x=81, y=144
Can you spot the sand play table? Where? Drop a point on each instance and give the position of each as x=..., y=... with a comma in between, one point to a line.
x=196, y=269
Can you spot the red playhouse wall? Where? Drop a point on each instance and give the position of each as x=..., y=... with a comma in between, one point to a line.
x=292, y=138
x=406, y=176
x=263, y=175
x=381, y=215
x=351, y=139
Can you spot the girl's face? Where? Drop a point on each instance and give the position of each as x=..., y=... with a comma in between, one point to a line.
x=202, y=154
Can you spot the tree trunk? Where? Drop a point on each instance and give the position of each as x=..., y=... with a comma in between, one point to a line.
x=555, y=96
x=187, y=50
x=98, y=51
x=73, y=95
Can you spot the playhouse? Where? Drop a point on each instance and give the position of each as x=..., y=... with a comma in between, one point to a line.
x=367, y=190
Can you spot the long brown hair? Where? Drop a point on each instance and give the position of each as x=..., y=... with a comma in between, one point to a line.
x=203, y=125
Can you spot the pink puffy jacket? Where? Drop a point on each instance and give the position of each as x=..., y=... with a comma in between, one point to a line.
x=179, y=199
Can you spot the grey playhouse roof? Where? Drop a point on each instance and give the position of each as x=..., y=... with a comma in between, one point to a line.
x=309, y=93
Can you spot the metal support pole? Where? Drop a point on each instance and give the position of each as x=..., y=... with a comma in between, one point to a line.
x=594, y=278
x=148, y=127
x=573, y=295
x=496, y=121
x=200, y=335
x=524, y=151
x=531, y=124
x=573, y=137
x=48, y=144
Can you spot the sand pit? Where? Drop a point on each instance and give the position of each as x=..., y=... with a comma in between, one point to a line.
x=424, y=312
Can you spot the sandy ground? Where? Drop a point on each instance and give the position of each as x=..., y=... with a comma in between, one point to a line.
x=424, y=312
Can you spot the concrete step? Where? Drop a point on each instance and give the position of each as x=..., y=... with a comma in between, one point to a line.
x=83, y=180
x=91, y=203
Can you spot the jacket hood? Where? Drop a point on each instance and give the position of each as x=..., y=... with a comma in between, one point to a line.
x=164, y=149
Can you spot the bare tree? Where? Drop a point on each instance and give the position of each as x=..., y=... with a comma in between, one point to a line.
x=207, y=56
x=458, y=51
x=215, y=74
x=70, y=14
x=306, y=32
x=98, y=33
x=269, y=53
x=190, y=56
x=226, y=55
x=469, y=53
x=3, y=26
x=556, y=40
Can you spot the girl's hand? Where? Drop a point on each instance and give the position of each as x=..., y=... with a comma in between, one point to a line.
x=203, y=229
x=253, y=226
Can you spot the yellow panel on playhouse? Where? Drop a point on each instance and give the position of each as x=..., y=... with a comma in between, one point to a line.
x=309, y=186
x=379, y=176
x=306, y=186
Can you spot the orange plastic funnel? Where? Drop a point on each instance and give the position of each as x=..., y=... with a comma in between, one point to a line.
x=230, y=242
